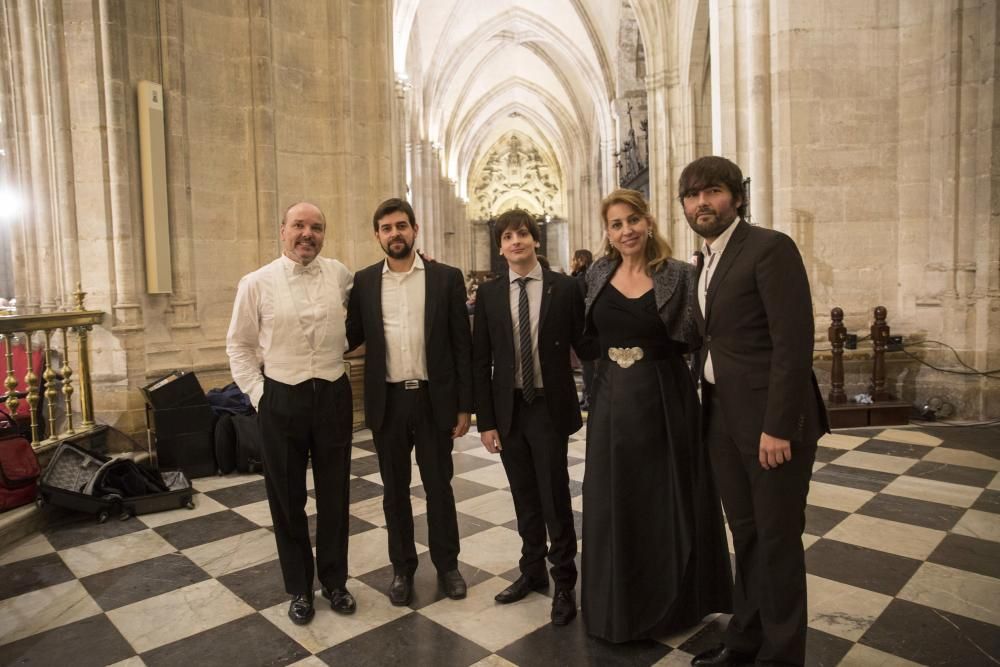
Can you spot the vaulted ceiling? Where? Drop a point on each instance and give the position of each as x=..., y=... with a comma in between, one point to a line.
x=481, y=70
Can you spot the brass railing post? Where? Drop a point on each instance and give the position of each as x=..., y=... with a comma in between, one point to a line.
x=11, y=381
x=86, y=399
x=67, y=373
x=31, y=379
x=50, y=385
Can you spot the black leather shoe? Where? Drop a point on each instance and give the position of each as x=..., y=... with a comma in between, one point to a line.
x=341, y=601
x=452, y=584
x=301, y=610
x=563, y=607
x=401, y=590
x=520, y=588
x=722, y=656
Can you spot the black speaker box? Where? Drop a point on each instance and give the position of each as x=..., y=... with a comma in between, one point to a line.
x=168, y=422
x=194, y=453
x=174, y=390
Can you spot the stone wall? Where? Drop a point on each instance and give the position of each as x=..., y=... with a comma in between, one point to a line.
x=266, y=103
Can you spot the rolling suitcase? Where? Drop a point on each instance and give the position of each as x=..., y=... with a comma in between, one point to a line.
x=79, y=480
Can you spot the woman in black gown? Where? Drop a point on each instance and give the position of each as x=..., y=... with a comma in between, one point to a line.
x=655, y=558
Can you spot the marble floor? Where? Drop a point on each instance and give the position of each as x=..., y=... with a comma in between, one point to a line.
x=903, y=554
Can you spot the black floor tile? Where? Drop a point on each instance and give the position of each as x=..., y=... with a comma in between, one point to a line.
x=76, y=529
x=575, y=488
x=944, y=472
x=864, y=568
x=933, y=637
x=825, y=650
x=912, y=511
x=92, y=641
x=828, y=454
x=32, y=574
x=857, y=478
x=362, y=489
x=902, y=449
x=708, y=637
x=131, y=583
x=570, y=645
x=365, y=465
x=260, y=586
x=572, y=461
x=209, y=528
x=983, y=440
x=367, y=445
x=251, y=640
x=241, y=494
x=425, y=583
x=467, y=462
x=410, y=640
x=968, y=553
x=988, y=501
x=821, y=520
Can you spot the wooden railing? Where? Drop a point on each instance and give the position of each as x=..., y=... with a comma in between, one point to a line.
x=60, y=383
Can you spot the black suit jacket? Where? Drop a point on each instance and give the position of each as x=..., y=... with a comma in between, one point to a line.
x=560, y=326
x=758, y=325
x=448, y=341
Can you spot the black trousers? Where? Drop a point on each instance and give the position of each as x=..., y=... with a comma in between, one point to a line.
x=408, y=424
x=534, y=456
x=298, y=422
x=766, y=514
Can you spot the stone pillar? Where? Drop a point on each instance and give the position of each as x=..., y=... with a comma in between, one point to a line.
x=183, y=311
x=67, y=248
x=125, y=308
x=39, y=291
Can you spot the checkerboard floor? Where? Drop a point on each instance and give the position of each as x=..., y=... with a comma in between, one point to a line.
x=903, y=555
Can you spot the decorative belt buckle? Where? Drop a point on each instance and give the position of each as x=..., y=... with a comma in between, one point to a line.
x=625, y=356
x=411, y=384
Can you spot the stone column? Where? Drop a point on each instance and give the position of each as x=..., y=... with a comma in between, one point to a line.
x=38, y=235
x=67, y=268
x=126, y=311
x=183, y=311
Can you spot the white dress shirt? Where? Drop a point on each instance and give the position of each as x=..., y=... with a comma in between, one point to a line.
x=403, y=297
x=290, y=318
x=534, y=287
x=713, y=255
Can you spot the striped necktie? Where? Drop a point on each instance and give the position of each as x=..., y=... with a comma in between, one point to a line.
x=524, y=337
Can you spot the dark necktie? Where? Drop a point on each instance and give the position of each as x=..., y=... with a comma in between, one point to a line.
x=524, y=336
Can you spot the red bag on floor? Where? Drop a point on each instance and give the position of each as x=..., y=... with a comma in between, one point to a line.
x=19, y=469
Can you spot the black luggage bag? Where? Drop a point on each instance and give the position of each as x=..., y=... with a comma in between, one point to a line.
x=74, y=477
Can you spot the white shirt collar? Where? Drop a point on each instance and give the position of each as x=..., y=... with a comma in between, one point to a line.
x=418, y=263
x=717, y=246
x=534, y=274
x=295, y=268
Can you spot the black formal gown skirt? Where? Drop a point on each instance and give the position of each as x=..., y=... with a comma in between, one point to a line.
x=655, y=558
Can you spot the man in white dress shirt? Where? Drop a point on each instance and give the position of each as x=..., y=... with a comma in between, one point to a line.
x=286, y=343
